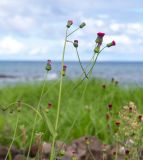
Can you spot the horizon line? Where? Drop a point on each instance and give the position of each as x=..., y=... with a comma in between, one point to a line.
x=69, y=60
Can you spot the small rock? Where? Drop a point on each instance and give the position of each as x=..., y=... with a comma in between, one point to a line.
x=46, y=149
x=33, y=151
x=19, y=157
x=3, y=152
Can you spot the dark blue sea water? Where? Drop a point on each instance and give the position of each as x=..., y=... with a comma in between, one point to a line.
x=12, y=72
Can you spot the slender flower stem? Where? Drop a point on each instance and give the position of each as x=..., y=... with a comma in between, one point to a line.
x=92, y=59
x=59, y=101
x=32, y=108
x=70, y=41
x=14, y=135
x=95, y=61
x=36, y=116
x=81, y=64
x=6, y=108
x=89, y=70
x=84, y=72
x=73, y=32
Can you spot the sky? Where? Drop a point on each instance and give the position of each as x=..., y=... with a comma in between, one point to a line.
x=35, y=29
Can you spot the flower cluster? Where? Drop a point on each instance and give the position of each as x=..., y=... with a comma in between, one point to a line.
x=129, y=132
x=99, y=41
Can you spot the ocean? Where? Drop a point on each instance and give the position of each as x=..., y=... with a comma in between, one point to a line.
x=13, y=72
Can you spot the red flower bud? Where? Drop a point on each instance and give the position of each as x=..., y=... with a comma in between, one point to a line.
x=117, y=123
x=110, y=106
x=113, y=43
x=49, y=105
x=101, y=34
x=127, y=152
x=140, y=117
x=99, y=38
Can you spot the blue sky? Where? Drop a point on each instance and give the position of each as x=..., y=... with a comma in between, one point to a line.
x=34, y=29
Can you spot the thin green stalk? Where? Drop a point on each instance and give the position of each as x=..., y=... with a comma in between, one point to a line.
x=92, y=59
x=89, y=70
x=83, y=93
x=69, y=131
x=53, y=85
x=6, y=108
x=84, y=72
x=59, y=101
x=73, y=32
x=32, y=108
x=95, y=60
x=81, y=64
x=14, y=135
x=35, y=120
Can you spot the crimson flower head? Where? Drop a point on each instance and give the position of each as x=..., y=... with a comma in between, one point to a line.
x=113, y=43
x=101, y=34
x=99, y=38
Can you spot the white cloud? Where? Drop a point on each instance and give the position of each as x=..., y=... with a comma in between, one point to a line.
x=39, y=26
x=9, y=45
x=21, y=23
x=120, y=39
x=117, y=27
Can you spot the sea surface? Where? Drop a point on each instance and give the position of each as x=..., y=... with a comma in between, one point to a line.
x=13, y=72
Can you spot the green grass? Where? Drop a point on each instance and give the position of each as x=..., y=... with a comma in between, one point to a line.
x=74, y=108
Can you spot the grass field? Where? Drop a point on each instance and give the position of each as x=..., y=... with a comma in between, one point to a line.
x=82, y=113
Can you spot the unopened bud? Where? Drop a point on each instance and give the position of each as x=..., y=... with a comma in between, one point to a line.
x=75, y=43
x=69, y=23
x=83, y=24
x=64, y=70
x=97, y=49
x=48, y=66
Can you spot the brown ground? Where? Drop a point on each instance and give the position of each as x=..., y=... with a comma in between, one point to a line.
x=84, y=148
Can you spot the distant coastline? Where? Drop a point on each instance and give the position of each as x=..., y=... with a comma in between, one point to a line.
x=126, y=72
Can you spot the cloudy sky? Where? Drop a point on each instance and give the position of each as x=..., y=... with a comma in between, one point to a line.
x=34, y=29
